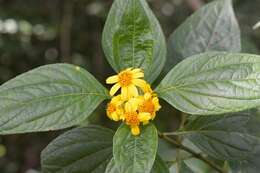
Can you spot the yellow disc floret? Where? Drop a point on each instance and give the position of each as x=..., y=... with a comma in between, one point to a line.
x=133, y=106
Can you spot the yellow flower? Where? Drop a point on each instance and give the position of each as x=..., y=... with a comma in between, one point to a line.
x=147, y=88
x=114, y=108
x=149, y=103
x=132, y=117
x=127, y=80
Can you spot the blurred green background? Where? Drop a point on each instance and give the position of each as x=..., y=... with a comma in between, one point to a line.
x=38, y=32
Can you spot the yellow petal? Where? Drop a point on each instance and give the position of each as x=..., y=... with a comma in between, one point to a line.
x=145, y=122
x=109, y=115
x=147, y=96
x=144, y=116
x=135, y=130
x=128, y=69
x=134, y=102
x=124, y=93
x=138, y=75
x=117, y=100
x=137, y=70
x=115, y=116
x=119, y=111
x=153, y=115
x=141, y=83
x=157, y=106
x=114, y=89
x=132, y=91
x=140, y=99
x=112, y=79
x=122, y=117
x=147, y=88
x=128, y=107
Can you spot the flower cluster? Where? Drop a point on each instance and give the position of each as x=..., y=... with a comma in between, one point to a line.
x=136, y=104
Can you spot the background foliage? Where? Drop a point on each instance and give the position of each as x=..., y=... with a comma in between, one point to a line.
x=50, y=31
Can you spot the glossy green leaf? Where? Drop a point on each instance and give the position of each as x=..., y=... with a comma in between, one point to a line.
x=211, y=28
x=225, y=137
x=111, y=167
x=158, y=167
x=213, y=83
x=132, y=37
x=135, y=154
x=87, y=149
x=48, y=98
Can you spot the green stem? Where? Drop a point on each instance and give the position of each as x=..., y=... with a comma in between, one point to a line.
x=193, y=153
x=176, y=133
x=180, y=159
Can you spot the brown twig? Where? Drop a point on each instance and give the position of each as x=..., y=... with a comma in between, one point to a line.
x=193, y=153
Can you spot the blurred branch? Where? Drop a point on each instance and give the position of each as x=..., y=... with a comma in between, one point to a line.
x=65, y=31
x=193, y=153
x=194, y=4
x=256, y=26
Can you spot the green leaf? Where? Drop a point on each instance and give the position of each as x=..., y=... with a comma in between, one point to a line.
x=135, y=154
x=211, y=28
x=225, y=137
x=48, y=98
x=158, y=167
x=166, y=150
x=213, y=83
x=86, y=149
x=196, y=165
x=132, y=37
x=191, y=165
x=111, y=167
x=249, y=165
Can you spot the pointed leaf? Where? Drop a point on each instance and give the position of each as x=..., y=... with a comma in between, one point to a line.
x=111, y=167
x=225, y=137
x=213, y=83
x=158, y=167
x=211, y=28
x=48, y=98
x=86, y=149
x=132, y=37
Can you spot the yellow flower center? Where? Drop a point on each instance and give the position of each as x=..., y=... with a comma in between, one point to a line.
x=147, y=106
x=111, y=108
x=125, y=78
x=131, y=118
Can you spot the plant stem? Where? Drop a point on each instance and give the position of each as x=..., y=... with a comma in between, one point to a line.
x=196, y=155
